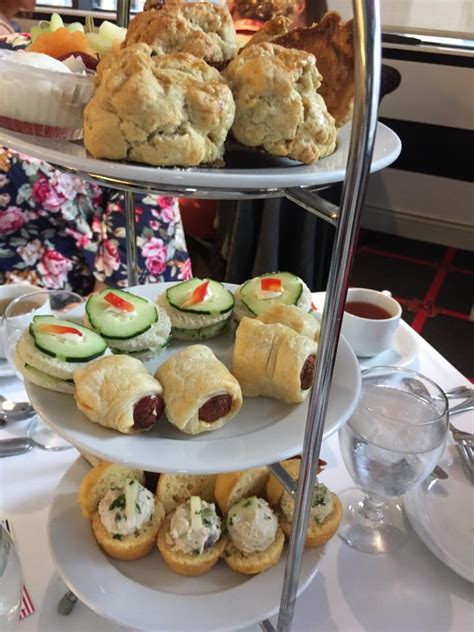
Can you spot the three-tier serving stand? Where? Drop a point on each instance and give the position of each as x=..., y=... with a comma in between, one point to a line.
x=346, y=221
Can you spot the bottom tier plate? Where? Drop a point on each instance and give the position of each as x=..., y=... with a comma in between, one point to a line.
x=145, y=594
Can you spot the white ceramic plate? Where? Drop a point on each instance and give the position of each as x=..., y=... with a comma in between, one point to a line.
x=264, y=431
x=441, y=513
x=145, y=594
x=268, y=172
x=402, y=352
x=5, y=369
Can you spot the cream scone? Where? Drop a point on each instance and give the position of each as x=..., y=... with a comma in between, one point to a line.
x=202, y=29
x=125, y=516
x=257, y=295
x=190, y=540
x=170, y=110
x=278, y=107
x=129, y=323
x=255, y=538
x=199, y=309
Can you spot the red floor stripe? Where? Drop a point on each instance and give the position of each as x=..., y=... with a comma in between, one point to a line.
x=462, y=270
x=394, y=255
x=430, y=297
x=443, y=311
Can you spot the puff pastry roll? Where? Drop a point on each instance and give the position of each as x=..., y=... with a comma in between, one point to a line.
x=273, y=360
x=119, y=393
x=302, y=322
x=200, y=392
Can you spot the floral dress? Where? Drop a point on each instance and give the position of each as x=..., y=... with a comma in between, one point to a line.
x=60, y=232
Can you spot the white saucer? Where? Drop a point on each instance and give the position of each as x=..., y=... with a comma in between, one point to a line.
x=402, y=352
x=441, y=514
x=5, y=369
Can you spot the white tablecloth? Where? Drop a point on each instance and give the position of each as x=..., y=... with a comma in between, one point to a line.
x=405, y=591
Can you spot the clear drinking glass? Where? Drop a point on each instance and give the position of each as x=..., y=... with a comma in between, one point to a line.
x=11, y=582
x=16, y=319
x=393, y=441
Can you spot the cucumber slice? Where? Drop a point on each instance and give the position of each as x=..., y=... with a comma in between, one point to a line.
x=112, y=323
x=249, y=292
x=218, y=301
x=69, y=348
x=203, y=333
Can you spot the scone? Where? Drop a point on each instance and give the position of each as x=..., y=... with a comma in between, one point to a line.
x=171, y=110
x=125, y=517
x=202, y=29
x=174, y=489
x=201, y=394
x=118, y=392
x=325, y=513
x=255, y=538
x=256, y=295
x=277, y=104
x=190, y=540
x=232, y=487
x=198, y=309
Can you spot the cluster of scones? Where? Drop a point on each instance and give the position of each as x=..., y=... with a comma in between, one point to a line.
x=100, y=360
x=194, y=520
x=179, y=85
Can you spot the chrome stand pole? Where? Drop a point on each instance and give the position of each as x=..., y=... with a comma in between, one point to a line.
x=367, y=81
x=131, y=239
x=123, y=18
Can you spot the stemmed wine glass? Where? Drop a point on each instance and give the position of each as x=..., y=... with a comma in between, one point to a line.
x=17, y=317
x=11, y=582
x=393, y=441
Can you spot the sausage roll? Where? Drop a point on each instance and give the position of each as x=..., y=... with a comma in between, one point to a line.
x=119, y=393
x=303, y=323
x=200, y=392
x=273, y=360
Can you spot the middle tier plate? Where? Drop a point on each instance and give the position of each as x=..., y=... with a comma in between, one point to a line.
x=264, y=431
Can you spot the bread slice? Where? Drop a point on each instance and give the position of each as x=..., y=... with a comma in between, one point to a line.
x=318, y=534
x=274, y=489
x=233, y=486
x=99, y=480
x=253, y=563
x=188, y=564
x=133, y=546
x=174, y=489
x=40, y=378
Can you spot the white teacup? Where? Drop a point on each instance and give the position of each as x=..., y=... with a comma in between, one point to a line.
x=371, y=334
x=7, y=294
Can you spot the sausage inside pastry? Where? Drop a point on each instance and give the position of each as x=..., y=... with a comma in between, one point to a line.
x=200, y=392
x=119, y=393
x=273, y=360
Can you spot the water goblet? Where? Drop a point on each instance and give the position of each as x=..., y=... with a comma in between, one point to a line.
x=17, y=318
x=392, y=442
x=11, y=582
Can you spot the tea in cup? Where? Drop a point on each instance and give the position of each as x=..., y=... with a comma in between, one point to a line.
x=370, y=321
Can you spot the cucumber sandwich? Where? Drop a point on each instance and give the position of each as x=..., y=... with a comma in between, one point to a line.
x=48, y=353
x=129, y=323
x=277, y=288
x=199, y=309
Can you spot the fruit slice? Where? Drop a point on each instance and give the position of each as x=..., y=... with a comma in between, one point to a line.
x=218, y=300
x=250, y=292
x=114, y=322
x=64, y=345
x=60, y=42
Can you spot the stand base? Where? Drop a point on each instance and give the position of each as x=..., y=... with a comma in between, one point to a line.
x=371, y=536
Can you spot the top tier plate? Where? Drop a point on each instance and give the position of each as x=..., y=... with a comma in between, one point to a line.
x=248, y=172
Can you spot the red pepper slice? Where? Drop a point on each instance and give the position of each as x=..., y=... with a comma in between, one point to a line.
x=270, y=284
x=49, y=328
x=313, y=307
x=119, y=302
x=198, y=295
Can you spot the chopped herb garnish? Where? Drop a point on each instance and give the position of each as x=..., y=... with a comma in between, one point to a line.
x=206, y=522
x=138, y=508
x=195, y=551
x=230, y=521
x=118, y=503
x=247, y=503
x=131, y=482
x=268, y=517
x=198, y=513
x=117, y=536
